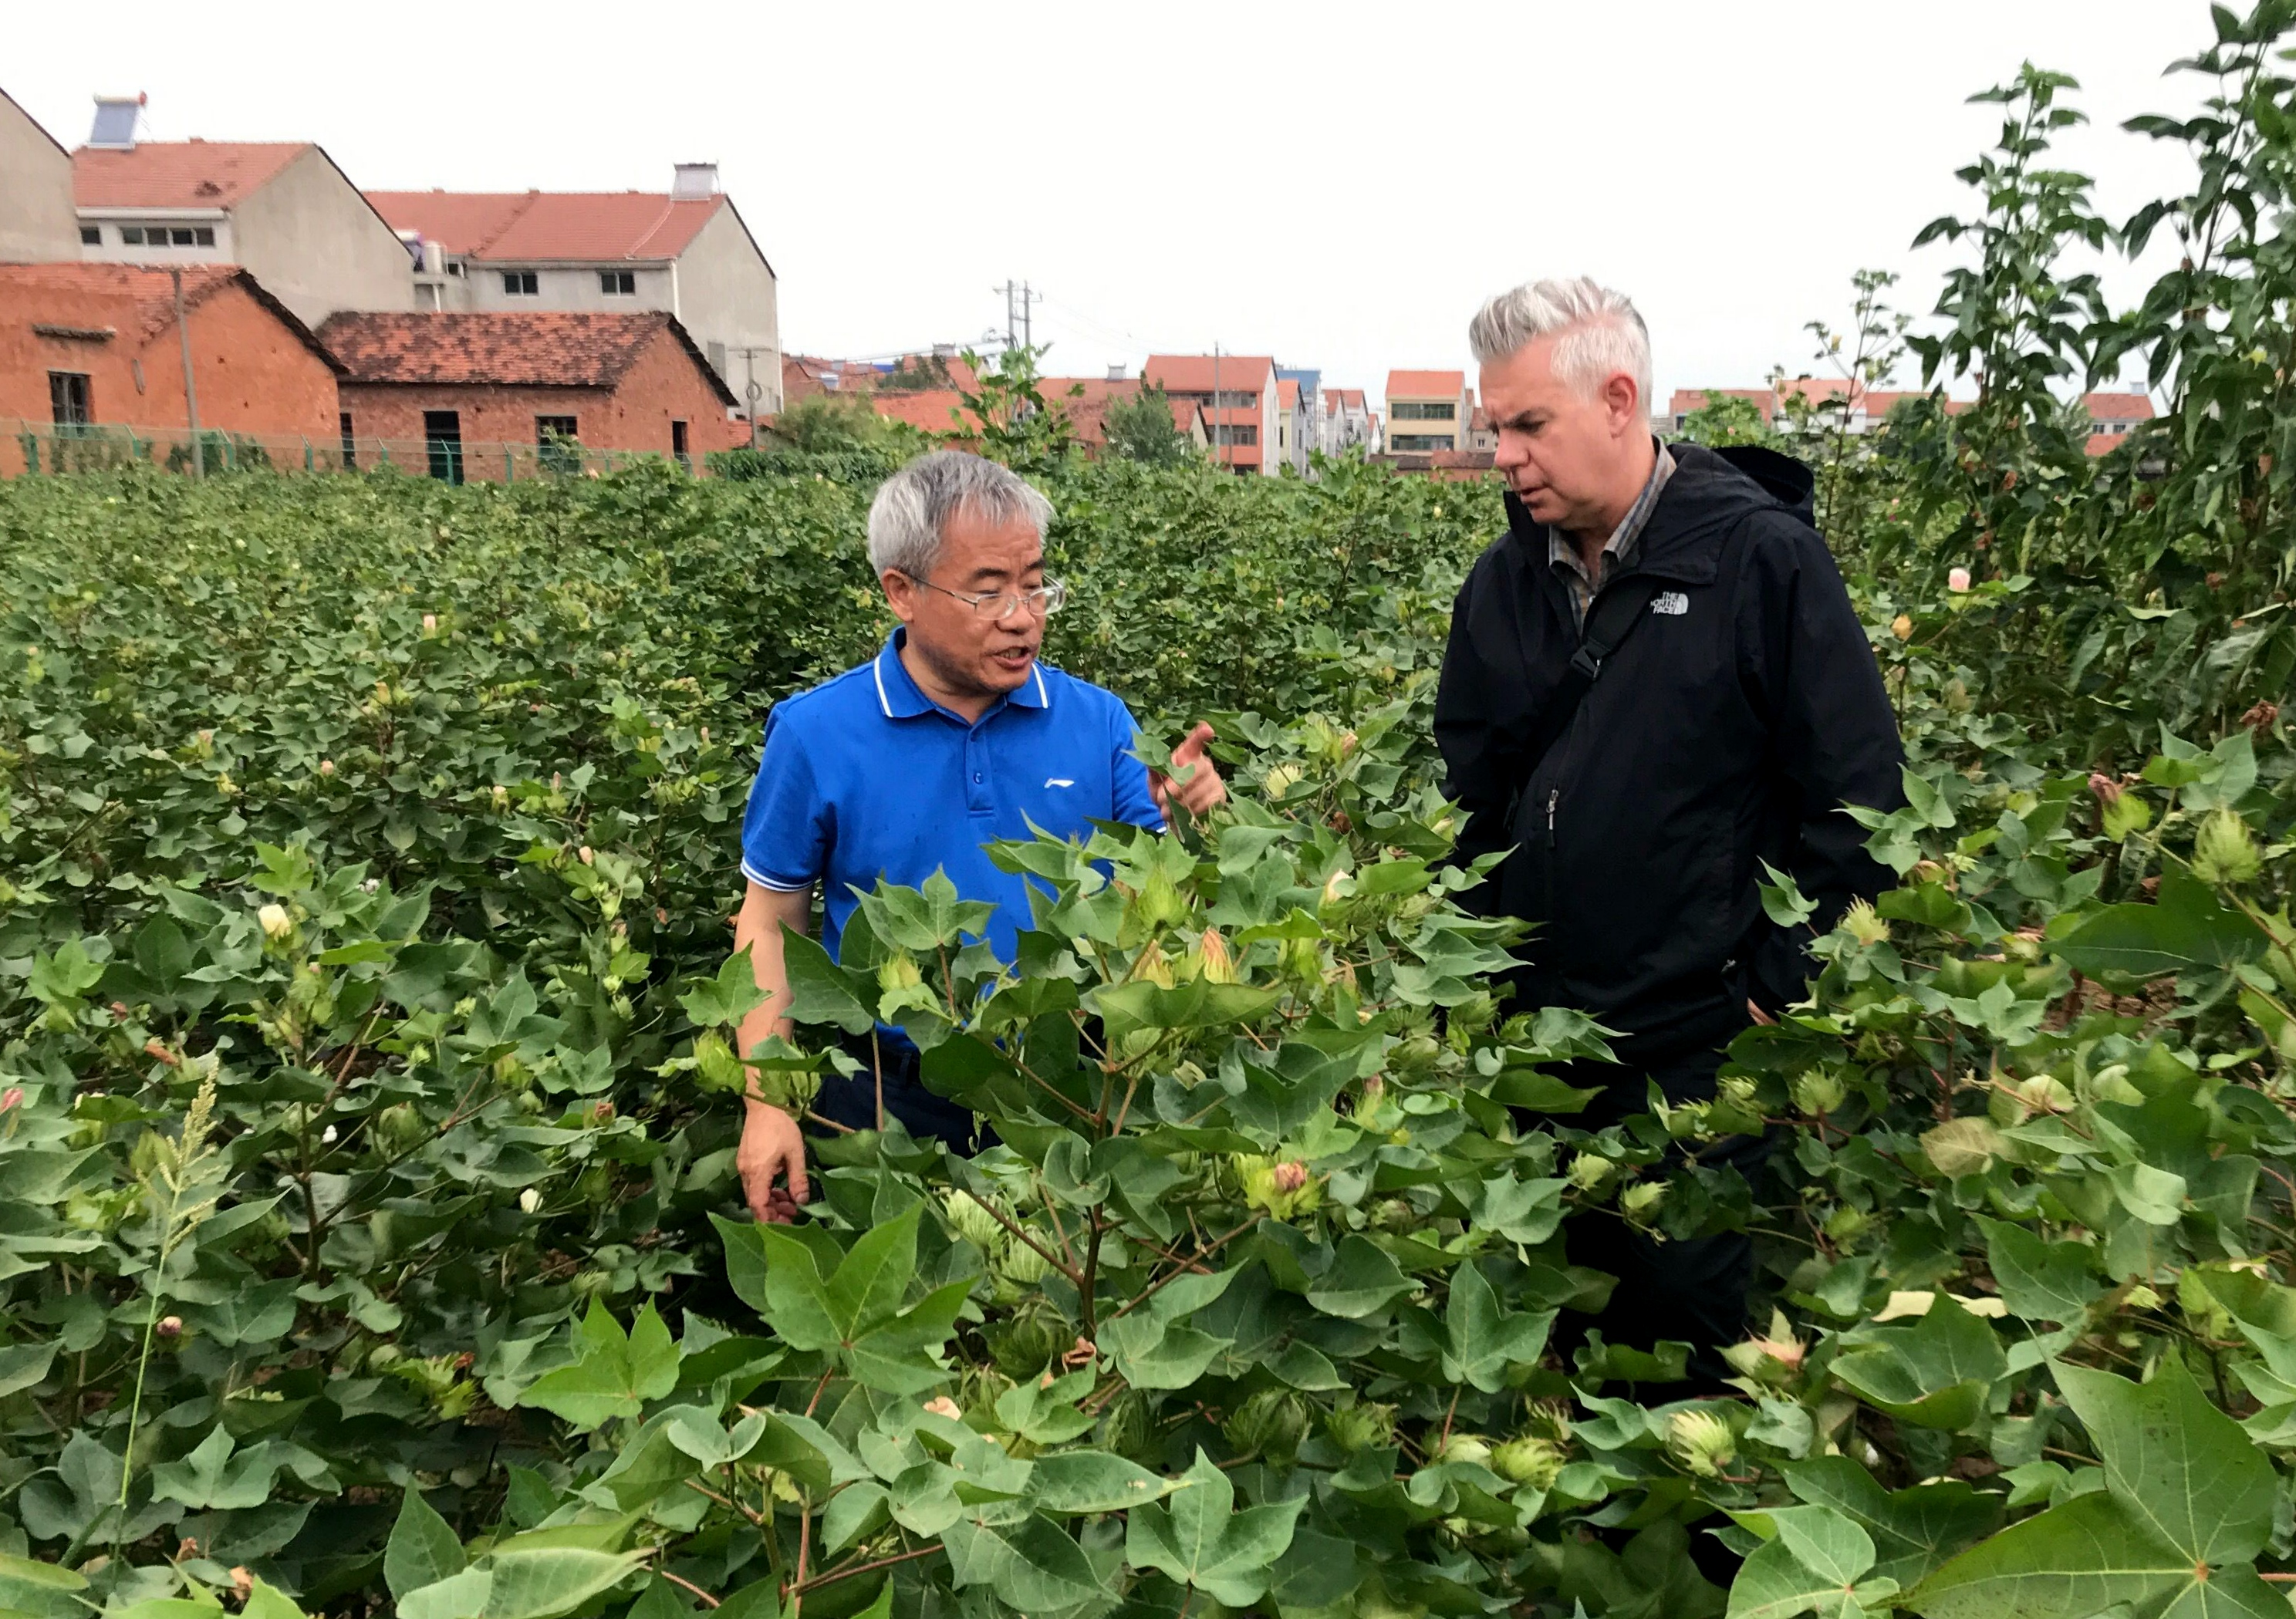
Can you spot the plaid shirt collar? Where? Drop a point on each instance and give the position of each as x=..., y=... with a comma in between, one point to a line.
x=1618, y=550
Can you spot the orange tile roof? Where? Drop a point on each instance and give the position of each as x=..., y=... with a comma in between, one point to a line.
x=935, y=410
x=178, y=173
x=1088, y=410
x=550, y=225
x=1186, y=415
x=521, y=348
x=1287, y=394
x=1426, y=384
x=2118, y=407
x=147, y=295
x=1191, y=373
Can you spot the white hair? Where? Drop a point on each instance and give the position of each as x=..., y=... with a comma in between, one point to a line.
x=913, y=508
x=1601, y=332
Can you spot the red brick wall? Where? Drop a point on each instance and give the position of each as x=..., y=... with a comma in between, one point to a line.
x=663, y=384
x=253, y=374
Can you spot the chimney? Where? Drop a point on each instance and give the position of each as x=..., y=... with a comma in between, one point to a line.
x=1116, y=374
x=693, y=182
x=116, y=118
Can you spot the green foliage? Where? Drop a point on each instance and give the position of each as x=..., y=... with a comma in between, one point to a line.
x=1140, y=428
x=368, y=1217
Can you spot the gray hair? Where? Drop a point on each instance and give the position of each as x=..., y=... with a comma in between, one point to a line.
x=1601, y=332
x=913, y=507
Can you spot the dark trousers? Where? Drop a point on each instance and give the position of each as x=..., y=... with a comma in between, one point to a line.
x=1683, y=1289
x=852, y=1101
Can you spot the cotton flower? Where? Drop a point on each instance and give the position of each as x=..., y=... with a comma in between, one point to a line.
x=328, y=1135
x=276, y=923
x=529, y=1200
x=1957, y=580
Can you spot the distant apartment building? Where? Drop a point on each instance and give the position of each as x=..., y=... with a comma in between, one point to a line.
x=1426, y=410
x=1347, y=421
x=1238, y=394
x=804, y=375
x=280, y=210
x=1305, y=431
x=1292, y=441
x=1481, y=434
x=38, y=224
x=686, y=252
x=2111, y=416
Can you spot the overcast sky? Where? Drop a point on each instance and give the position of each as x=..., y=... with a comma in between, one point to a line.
x=1338, y=184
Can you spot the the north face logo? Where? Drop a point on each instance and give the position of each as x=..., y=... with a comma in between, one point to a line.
x=1673, y=603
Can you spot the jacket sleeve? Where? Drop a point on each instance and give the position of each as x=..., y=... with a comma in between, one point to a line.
x=1833, y=742
x=1481, y=765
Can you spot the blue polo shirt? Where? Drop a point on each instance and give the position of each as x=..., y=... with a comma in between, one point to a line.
x=864, y=776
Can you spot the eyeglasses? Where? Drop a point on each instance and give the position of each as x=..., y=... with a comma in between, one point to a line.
x=1044, y=602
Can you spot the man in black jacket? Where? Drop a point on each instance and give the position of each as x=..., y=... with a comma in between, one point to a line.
x=1727, y=706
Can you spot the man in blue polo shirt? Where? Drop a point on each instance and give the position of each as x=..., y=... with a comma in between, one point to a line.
x=952, y=737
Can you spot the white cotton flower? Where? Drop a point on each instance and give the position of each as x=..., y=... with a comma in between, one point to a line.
x=529, y=1200
x=328, y=1135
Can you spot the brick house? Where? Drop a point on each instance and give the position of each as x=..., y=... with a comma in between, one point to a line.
x=85, y=346
x=474, y=389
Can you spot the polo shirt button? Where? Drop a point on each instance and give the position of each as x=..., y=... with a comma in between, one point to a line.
x=976, y=777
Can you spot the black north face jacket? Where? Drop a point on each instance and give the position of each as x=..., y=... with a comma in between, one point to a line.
x=1730, y=725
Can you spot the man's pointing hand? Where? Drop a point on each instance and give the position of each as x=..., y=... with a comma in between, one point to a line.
x=1204, y=790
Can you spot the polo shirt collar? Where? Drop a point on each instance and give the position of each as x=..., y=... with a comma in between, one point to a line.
x=902, y=698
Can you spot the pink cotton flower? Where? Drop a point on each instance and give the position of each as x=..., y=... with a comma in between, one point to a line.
x=1957, y=580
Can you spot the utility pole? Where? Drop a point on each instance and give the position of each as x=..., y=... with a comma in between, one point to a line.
x=1218, y=443
x=755, y=390
x=190, y=393
x=1020, y=297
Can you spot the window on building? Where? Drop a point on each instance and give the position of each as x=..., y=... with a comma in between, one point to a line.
x=184, y=236
x=1230, y=400
x=68, y=402
x=132, y=235
x=559, y=437
x=521, y=283
x=1419, y=441
x=442, y=436
x=204, y=235
x=619, y=283
x=1420, y=410
x=90, y=235
x=1229, y=433
x=677, y=449
x=350, y=444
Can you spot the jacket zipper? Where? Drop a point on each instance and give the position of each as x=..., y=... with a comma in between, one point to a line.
x=1553, y=796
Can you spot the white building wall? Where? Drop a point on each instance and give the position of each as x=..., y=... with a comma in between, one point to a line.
x=38, y=224
x=317, y=246
x=726, y=298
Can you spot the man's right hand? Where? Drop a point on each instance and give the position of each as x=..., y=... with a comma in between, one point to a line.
x=772, y=1149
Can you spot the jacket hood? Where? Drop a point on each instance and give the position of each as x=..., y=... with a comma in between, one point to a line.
x=1785, y=480
x=1710, y=489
